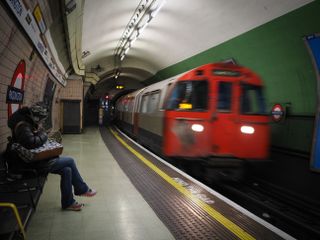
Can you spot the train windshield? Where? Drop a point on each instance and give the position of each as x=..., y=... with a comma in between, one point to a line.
x=189, y=95
x=252, y=100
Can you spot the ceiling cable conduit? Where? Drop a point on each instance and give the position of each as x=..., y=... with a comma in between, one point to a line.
x=142, y=16
x=73, y=22
x=92, y=78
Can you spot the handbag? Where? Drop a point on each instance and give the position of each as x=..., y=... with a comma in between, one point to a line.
x=49, y=149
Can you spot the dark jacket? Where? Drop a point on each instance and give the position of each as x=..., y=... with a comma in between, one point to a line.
x=26, y=132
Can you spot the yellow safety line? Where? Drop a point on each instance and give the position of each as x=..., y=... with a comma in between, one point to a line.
x=235, y=229
x=16, y=213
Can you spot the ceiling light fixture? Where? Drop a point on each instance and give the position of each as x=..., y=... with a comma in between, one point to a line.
x=116, y=73
x=146, y=10
x=155, y=8
x=133, y=40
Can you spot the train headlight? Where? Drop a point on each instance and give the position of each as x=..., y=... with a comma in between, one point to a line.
x=247, y=129
x=197, y=127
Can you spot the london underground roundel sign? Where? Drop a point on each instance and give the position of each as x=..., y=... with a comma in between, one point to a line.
x=16, y=89
x=277, y=112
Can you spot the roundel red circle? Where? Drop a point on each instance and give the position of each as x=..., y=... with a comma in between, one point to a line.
x=17, y=81
x=277, y=112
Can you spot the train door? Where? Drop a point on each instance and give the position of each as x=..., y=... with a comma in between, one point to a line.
x=223, y=118
x=252, y=125
x=135, y=113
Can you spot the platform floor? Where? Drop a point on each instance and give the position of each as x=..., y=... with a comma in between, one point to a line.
x=117, y=212
x=140, y=197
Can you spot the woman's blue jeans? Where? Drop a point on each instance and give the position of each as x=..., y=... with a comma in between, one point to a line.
x=70, y=176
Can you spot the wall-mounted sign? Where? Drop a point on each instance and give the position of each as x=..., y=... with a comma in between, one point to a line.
x=313, y=45
x=29, y=24
x=277, y=112
x=15, y=90
x=40, y=21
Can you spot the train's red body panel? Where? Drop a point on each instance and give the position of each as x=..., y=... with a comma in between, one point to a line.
x=213, y=110
x=180, y=140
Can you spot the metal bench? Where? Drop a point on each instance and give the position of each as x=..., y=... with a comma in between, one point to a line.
x=19, y=195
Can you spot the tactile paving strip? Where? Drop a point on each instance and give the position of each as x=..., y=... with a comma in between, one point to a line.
x=182, y=216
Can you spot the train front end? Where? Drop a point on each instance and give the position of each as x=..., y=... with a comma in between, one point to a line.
x=216, y=110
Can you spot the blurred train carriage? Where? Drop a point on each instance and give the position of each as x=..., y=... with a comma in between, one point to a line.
x=213, y=111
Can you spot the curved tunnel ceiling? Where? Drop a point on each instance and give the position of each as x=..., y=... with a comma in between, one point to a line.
x=181, y=29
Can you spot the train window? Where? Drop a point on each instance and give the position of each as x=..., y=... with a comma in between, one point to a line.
x=224, y=96
x=150, y=102
x=165, y=95
x=189, y=95
x=120, y=105
x=252, y=100
x=126, y=104
x=130, y=104
x=144, y=103
x=153, y=101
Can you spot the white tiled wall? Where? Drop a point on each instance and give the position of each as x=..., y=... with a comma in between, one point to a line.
x=14, y=47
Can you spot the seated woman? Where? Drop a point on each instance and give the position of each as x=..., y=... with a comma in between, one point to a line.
x=25, y=126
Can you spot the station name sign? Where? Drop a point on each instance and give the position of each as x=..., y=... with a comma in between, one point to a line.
x=14, y=95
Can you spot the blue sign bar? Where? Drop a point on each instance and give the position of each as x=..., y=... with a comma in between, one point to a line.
x=14, y=95
x=313, y=44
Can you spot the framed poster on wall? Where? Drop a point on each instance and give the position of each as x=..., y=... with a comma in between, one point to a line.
x=313, y=45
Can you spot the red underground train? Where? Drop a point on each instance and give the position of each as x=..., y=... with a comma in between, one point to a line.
x=213, y=111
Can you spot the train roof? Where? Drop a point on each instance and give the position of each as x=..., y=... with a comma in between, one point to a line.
x=218, y=69
x=230, y=70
